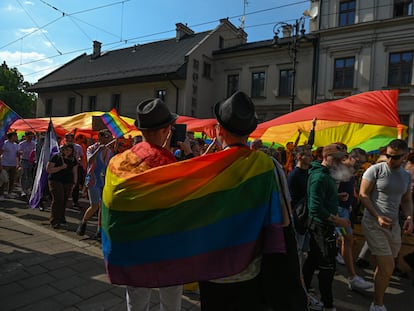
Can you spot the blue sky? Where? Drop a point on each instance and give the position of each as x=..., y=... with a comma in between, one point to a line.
x=38, y=36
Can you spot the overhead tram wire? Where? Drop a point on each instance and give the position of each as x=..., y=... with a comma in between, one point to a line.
x=162, y=32
x=157, y=33
x=42, y=32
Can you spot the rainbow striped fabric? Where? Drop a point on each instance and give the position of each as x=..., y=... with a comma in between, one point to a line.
x=199, y=219
x=115, y=124
x=7, y=118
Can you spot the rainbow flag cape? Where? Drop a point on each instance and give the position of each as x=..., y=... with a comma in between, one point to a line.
x=115, y=124
x=7, y=118
x=199, y=219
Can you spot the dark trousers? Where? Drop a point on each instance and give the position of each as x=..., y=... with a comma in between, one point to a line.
x=60, y=193
x=240, y=296
x=321, y=256
x=277, y=287
x=12, y=172
x=280, y=278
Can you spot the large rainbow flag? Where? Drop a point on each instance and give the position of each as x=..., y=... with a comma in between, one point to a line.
x=199, y=219
x=367, y=120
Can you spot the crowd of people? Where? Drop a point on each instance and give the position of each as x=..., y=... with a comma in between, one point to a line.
x=334, y=184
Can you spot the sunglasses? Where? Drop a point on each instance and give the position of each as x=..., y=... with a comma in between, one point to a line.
x=394, y=157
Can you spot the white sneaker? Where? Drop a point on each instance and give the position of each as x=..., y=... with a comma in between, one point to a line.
x=340, y=259
x=359, y=283
x=377, y=308
x=314, y=303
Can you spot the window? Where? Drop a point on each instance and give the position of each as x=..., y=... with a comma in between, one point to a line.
x=196, y=64
x=71, y=105
x=221, y=42
x=347, y=13
x=258, y=84
x=344, y=73
x=403, y=8
x=48, y=107
x=232, y=84
x=207, y=70
x=194, y=104
x=285, y=82
x=92, y=103
x=161, y=94
x=116, y=102
x=400, y=68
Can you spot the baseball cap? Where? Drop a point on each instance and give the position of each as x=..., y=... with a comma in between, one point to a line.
x=334, y=150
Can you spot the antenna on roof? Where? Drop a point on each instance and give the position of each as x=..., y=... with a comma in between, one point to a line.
x=243, y=18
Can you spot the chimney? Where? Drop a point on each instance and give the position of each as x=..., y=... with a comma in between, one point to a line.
x=96, y=49
x=287, y=31
x=182, y=31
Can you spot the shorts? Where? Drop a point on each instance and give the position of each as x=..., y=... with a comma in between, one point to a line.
x=95, y=195
x=381, y=241
x=343, y=213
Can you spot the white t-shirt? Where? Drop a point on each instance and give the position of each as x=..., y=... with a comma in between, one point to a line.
x=9, y=156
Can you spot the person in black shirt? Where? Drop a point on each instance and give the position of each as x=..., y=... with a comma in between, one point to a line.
x=63, y=175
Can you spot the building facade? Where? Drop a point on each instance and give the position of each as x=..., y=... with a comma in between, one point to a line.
x=191, y=73
x=365, y=45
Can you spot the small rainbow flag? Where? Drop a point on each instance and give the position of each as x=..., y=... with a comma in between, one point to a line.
x=7, y=118
x=194, y=220
x=115, y=124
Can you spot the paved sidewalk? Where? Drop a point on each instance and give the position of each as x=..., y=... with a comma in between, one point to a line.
x=41, y=269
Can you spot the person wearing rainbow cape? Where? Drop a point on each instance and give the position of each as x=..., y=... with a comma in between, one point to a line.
x=216, y=218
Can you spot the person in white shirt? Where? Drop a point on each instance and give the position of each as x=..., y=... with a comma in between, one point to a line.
x=10, y=163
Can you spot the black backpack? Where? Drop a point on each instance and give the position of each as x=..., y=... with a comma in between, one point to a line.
x=301, y=215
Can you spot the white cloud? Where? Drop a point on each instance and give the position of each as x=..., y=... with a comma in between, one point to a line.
x=12, y=8
x=31, y=65
x=33, y=30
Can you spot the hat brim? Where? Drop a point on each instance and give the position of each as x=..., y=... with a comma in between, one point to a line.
x=229, y=128
x=173, y=117
x=338, y=155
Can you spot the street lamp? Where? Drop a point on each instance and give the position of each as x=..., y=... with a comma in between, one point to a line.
x=295, y=32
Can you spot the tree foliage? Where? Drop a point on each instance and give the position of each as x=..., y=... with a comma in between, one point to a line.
x=13, y=92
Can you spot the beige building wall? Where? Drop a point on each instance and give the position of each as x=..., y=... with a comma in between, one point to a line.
x=375, y=34
x=130, y=96
x=269, y=60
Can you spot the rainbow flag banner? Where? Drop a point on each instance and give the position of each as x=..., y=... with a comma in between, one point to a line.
x=7, y=118
x=368, y=120
x=115, y=124
x=199, y=219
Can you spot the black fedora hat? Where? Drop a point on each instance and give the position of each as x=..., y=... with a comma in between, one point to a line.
x=237, y=114
x=153, y=114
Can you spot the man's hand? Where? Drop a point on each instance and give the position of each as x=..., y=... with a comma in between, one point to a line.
x=185, y=146
x=342, y=222
x=408, y=225
x=384, y=222
x=343, y=196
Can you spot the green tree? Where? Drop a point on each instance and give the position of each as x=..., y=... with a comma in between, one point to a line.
x=13, y=92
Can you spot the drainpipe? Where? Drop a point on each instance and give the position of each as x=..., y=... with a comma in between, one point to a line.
x=176, y=95
x=81, y=96
x=315, y=43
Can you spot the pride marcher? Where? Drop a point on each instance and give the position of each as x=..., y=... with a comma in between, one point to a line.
x=201, y=219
